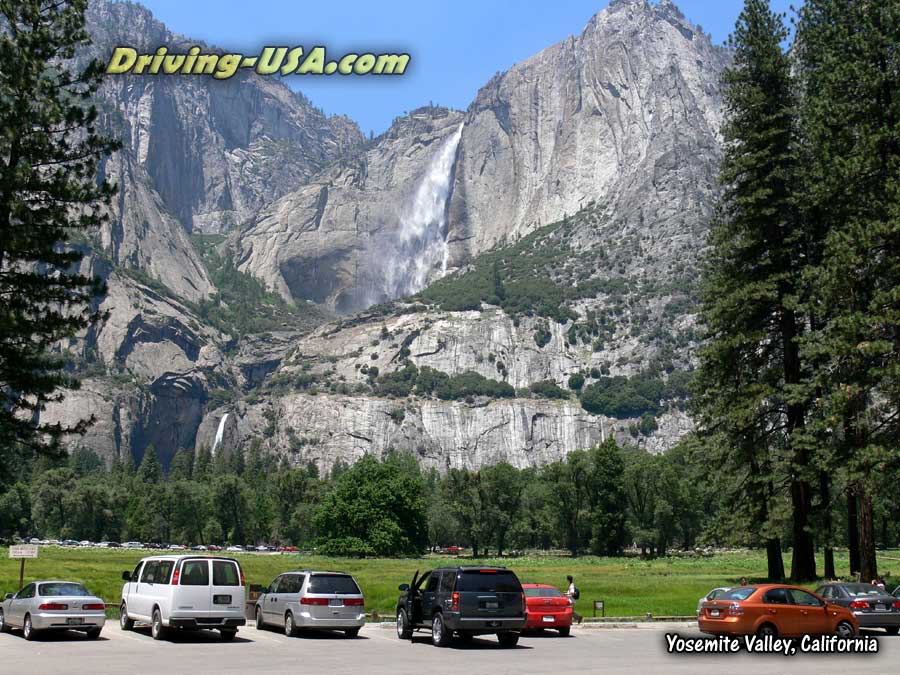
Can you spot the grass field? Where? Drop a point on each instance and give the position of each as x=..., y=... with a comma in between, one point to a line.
x=629, y=587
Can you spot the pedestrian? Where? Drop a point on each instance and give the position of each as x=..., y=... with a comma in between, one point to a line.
x=743, y=581
x=572, y=593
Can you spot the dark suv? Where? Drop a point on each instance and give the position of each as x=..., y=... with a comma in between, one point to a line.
x=467, y=601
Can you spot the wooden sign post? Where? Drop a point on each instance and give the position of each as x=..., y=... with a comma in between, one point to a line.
x=23, y=552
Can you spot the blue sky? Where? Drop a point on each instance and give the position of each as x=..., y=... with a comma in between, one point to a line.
x=455, y=46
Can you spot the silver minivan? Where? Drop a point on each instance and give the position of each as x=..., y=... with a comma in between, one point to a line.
x=184, y=591
x=309, y=599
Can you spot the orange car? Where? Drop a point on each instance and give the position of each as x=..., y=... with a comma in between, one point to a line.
x=773, y=610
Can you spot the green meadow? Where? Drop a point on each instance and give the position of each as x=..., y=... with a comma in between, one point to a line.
x=629, y=586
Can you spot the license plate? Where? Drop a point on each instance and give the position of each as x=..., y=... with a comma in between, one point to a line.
x=335, y=602
x=549, y=619
x=714, y=612
x=221, y=599
x=880, y=608
x=74, y=622
x=491, y=605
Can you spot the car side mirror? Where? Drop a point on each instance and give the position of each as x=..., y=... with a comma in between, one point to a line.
x=403, y=587
x=126, y=576
x=9, y=596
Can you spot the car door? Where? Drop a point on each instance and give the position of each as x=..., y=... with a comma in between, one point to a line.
x=20, y=604
x=279, y=605
x=780, y=611
x=192, y=591
x=812, y=617
x=429, y=595
x=270, y=602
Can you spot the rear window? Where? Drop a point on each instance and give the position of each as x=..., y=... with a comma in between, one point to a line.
x=56, y=590
x=194, y=573
x=342, y=584
x=863, y=590
x=225, y=573
x=489, y=581
x=741, y=593
x=542, y=593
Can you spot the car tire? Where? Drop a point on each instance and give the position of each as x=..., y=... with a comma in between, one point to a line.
x=351, y=632
x=227, y=634
x=404, y=630
x=767, y=630
x=124, y=622
x=845, y=629
x=508, y=639
x=440, y=636
x=157, y=630
x=890, y=630
x=260, y=622
x=564, y=632
x=93, y=633
x=4, y=627
x=28, y=629
x=290, y=629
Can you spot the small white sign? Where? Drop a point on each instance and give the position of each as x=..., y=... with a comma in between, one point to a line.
x=23, y=551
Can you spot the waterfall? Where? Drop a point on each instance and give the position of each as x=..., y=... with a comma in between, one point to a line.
x=219, y=433
x=419, y=250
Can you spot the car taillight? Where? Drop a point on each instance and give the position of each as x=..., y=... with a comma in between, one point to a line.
x=314, y=601
x=734, y=609
x=896, y=604
x=96, y=605
x=859, y=604
x=53, y=606
x=454, y=602
x=353, y=602
x=175, y=576
x=243, y=581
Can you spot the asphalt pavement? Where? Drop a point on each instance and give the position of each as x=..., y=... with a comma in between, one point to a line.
x=635, y=649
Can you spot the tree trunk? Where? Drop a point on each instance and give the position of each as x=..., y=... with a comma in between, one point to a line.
x=803, y=562
x=827, y=524
x=853, y=531
x=774, y=560
x=868, y=565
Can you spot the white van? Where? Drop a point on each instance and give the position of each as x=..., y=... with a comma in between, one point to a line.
x=184, y=591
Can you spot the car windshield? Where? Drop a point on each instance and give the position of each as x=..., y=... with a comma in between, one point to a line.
x=741, y=593
x=490, y=581
x=58, y=589
x=863, y=590
x=542, y=593
x=339, y=584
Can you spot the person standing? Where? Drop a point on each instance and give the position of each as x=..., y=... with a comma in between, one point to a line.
x=572, y=593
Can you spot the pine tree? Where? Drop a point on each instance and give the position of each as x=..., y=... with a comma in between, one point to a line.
x=750, y=365
x=49, y=193
x=150, y=470
x=850, y=118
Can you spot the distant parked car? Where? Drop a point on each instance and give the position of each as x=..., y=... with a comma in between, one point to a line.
x=712, y=595
x=547, y=607
x=132, y=544
x=307, y=599
x=176, y=547
x=213, y=547
x=773, y=610
x=288, y=549
x=467, y=601
x=114, y=544
x=872, y=606
x=34, y=540
x=199, y=547
x=53, y=606
x=186, y=592
x=235, y=549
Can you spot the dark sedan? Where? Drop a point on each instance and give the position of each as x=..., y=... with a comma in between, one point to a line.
x=872, y=606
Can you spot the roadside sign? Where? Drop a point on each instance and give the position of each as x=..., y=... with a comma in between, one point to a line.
x=601, y=605
x=23, y=551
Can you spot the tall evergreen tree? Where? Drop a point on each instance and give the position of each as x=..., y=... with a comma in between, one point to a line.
x=850, y=70
x=49, y=153
x=751, y=367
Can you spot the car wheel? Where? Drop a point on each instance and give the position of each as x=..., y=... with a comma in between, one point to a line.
x=844, y=630
x=440, y=636
x=227, y=634
x=93, y=633
x=27, y=629
x=4, y=627
x=891, y=630
x=289, y=628
x=260, y=624
x=157, y=630
x=124, y=622
x=564, y=632
x=508, y=639
x=767, y=630
x=404, y=631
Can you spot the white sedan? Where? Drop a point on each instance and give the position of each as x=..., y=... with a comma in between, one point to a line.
x=712, y=595
x=53, y=606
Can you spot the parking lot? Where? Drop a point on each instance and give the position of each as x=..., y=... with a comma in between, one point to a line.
x=377, y=650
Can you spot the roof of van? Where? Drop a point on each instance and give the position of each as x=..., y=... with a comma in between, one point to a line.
x=181, y=556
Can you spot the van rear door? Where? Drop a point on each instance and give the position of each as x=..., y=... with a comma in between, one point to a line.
x=227, y=590
x=490, y=593
x=192, y=595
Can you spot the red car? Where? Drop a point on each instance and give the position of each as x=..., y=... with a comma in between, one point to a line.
x=546, y=607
